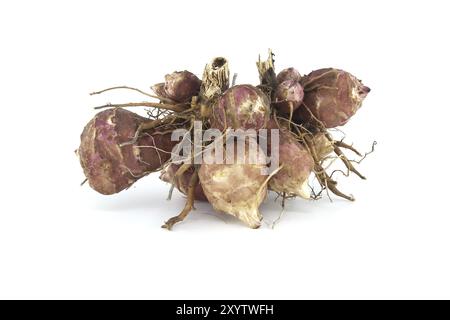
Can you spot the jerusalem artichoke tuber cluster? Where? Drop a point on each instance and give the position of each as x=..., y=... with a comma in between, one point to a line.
x=279, y=131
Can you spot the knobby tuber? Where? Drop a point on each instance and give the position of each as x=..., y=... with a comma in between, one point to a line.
x=180, y=86
x=286, y=143
x=110, y=168
x=289, y=74
x=241, y=107
x=332, y=96
x=238, y=188
x=296, y=166
x=288, y=96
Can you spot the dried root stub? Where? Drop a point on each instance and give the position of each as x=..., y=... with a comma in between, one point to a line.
x=237, y=188
x=332, y=96
x=110, y=168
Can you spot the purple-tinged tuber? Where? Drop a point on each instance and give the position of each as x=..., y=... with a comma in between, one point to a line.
x=241, y=107
x=288, y=94
x=296, y=166
x=181, y=86
x=289, y=74
x=110, y=168
x=118, y=147
x=332, y=96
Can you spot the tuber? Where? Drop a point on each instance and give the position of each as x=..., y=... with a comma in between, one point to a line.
x=110, y=168
x=236, y=189
x=288, y=95
x=296, y=166
x=289, y=74
x=281, y=126
x=332, y=96
x=241, y=107
x=179, y=86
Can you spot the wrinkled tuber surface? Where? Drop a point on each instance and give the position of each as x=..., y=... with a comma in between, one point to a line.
x=289, y=74
x=288, y=94
x=241, y=107
x=181, y=86
x=297, y=165
x=110, y=168
x=236, y=189
x=332, y=96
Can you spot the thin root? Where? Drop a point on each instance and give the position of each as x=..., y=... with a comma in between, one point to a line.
x=365, y=154
x=143, y=126
x=171, y=107
x=324, y=179
x=133, y=89
x=188, y=206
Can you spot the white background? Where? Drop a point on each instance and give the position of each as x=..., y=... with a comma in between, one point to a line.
x=60, y=240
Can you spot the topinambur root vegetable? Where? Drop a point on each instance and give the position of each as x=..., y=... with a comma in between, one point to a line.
x=237, y=188
x=283, y=123
x=241, y=107
x=296, y=166
x=289, y=74
x=179, y=86
x=288, y=96
x=332, y=96
x=110, y=168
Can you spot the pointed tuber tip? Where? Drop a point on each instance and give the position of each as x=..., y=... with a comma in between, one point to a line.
x=364, y=90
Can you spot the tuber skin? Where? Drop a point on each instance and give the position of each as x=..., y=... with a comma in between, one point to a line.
x=289, y=74
x=241, y=107
x=332, y=96
x=289, y=94
x=110, y=168
x=181, y=86
x=296, y=166
x=236, y=189
x=182, y=183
